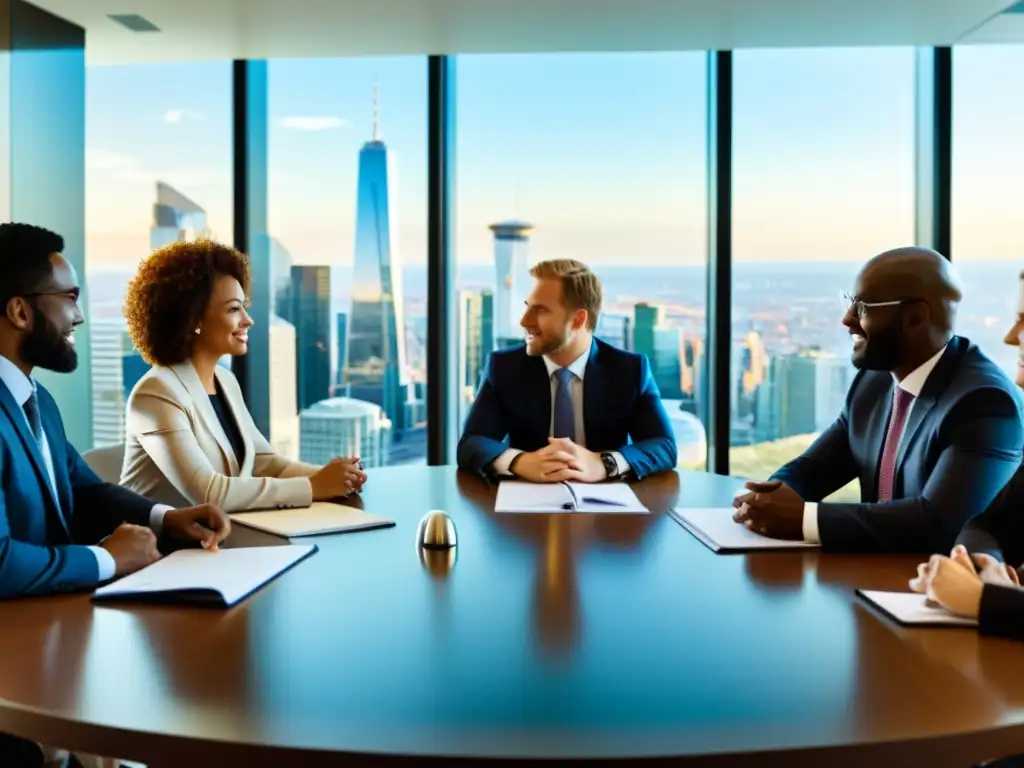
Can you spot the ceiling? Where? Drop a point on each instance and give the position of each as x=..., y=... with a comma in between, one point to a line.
x=226, y=29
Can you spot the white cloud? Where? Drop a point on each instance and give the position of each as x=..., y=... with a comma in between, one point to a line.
x=181, y=115
x=312, y=123
x=105, y=160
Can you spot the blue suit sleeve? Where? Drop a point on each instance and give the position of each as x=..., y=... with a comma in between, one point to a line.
x=980, y=455
x=653, y=446
x=483, y=436
x=100, y=507
x=29, y=569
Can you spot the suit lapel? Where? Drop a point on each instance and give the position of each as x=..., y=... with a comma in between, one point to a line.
x=60, y=468
x=239, y=414
x=188, y=376
x=594, y=399
x=17, y=417
x=923, y=404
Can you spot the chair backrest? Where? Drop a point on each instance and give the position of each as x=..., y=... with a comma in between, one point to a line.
x=106, y=462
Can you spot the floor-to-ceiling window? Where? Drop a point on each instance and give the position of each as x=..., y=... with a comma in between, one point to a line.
x=599, y=158
x=823, y=170
x=988, y=192
x=158, y=169
x=347, y=218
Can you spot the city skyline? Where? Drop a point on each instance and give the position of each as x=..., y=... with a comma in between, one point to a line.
x=604, y=153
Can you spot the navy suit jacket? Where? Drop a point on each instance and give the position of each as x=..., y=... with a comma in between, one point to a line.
x=961, y=443
x=43, y=546
x=622, y=410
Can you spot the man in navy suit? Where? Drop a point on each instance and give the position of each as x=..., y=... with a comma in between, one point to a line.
x=931, y=428
x=566, y=406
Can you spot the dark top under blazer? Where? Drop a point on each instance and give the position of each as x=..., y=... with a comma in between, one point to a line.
x=622, y=410
x=961, y=443
x=43, y=547
x=227, y=421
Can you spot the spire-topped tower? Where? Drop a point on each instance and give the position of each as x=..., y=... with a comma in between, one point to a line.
x=376, y=110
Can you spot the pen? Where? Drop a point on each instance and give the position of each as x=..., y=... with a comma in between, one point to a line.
x=575, y=503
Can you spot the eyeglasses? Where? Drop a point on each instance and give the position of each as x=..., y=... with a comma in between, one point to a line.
x=860, y=307
x=73, y=295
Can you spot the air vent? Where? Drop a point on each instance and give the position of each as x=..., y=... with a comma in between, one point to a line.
x=134, y=22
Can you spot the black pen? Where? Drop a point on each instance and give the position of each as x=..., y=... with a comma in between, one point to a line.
x=575, y=504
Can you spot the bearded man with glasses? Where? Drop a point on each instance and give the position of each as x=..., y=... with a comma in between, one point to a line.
x=931, y=427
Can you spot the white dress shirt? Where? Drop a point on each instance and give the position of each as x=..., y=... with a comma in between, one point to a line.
x=21, y=388
x=578, y=367
x=912, y=383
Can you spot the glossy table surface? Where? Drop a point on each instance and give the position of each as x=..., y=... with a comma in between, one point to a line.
x=562, y=636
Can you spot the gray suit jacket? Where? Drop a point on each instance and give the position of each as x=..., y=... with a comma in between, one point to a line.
x=961, y=444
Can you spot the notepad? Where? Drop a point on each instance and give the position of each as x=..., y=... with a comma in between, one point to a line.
x=913, y=609
x=716, y=529
x=318, y=519
x=196, y=576
x=587, y=498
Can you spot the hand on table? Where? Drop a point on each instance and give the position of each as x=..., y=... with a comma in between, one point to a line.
x=771, y=509
x=584, y=466
x=338, y=477
x=953, y=582
x=133, y=547
x=204, y=523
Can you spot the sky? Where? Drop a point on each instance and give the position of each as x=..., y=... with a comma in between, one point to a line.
x=603, y=153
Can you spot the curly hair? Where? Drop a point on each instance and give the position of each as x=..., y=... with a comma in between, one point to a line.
x=168, y=296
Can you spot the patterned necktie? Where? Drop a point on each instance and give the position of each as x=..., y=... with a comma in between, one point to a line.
x=901, y=402
x=565, y=419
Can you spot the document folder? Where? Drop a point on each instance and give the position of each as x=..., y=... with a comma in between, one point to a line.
x=715, y=529
x=316, y=520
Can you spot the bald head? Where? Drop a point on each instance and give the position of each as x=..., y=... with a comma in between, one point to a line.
x=913, y=273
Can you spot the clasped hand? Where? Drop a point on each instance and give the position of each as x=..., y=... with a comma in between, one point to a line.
x=956, y=582
x=771, y=509
x=561, y=459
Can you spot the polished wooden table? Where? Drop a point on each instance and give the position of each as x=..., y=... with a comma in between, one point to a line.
x=548, y=636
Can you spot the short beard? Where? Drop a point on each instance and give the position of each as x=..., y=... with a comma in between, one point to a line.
x=46, y=347
x=882, y=352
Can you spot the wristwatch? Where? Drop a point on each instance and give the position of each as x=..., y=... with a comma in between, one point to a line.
x=611, y=466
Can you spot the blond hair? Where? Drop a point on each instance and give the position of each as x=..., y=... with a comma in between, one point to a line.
x=581, y=288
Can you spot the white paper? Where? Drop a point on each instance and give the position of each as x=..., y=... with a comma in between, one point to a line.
x=717, y=530
x=913, y=608
x=232, y=573
x=518, y=496
x=320, y=518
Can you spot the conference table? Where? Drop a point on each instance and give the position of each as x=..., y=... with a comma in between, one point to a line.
x=563, y=637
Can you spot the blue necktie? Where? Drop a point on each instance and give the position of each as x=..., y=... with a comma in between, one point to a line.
x=565, y=419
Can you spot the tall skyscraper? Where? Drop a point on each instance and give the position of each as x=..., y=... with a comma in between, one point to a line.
x=511, y=249
x=615, y=329
x=107, y=336
x=284, y=406
x=311, y=316
x=663, y=345
x=476, y=340
x=376, y=359
x=175, y=217
x=280, y=279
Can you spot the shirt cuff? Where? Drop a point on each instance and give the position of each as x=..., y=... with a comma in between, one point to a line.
x=156, y=517
x=105, y=563
x=621, y=463
x=811, y=523
x=502, y=463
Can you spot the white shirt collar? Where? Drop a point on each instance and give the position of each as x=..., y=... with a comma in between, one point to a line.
x=914, y=381
x=577, y=366
x=20, y=385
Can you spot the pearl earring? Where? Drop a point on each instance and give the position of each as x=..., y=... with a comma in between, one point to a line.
x=197, y=331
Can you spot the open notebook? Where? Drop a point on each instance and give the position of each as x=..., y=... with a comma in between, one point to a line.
x=320, y=518
x=196, y=576
x=716, y=529
x=600, y=498
x=913, y=609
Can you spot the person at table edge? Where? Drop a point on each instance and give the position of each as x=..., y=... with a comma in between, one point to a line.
x=566, y=406
x=931, y=426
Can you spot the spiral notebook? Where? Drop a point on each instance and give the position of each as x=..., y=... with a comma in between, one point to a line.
x=221, y=578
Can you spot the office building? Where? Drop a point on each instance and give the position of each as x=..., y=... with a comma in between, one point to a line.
x=284, y=404
x=311, y=317
x=175, y=217
x=109, y=397
x=280, y=279
x=375, y=367
x=343, y=426
x=663, y=345
x=476, y=340
x=616, y=330
x=511, y=263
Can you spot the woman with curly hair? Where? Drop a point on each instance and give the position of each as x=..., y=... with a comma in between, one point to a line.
x=190, y=438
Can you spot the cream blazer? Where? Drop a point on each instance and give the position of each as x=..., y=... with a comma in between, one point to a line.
x=177, y=453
